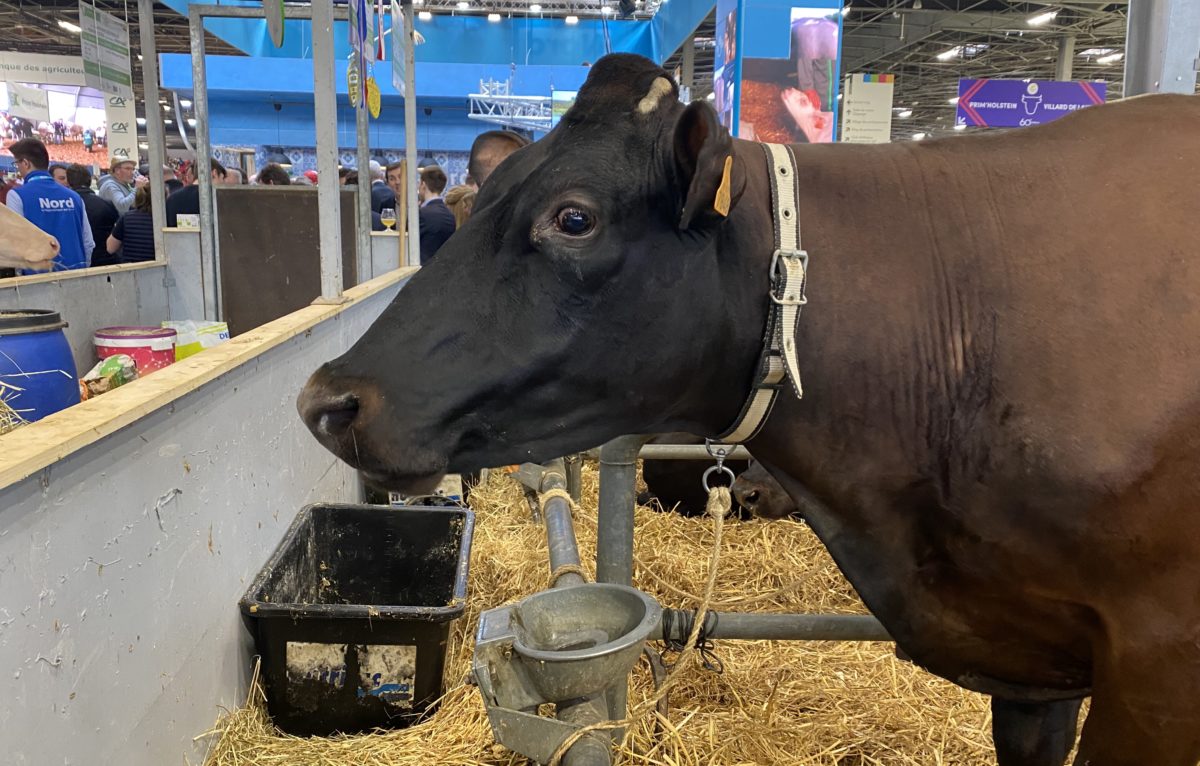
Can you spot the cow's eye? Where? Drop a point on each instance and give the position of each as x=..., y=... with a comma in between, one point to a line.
x=574, y=222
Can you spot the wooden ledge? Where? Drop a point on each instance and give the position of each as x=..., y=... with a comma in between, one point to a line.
x=60, y=276
x=31, y=448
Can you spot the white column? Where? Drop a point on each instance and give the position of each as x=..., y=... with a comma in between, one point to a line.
x=1162, y=47
x=325, y=98
x=410, y=138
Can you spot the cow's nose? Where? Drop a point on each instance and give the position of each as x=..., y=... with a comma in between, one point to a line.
x=327, y=414
x=745, y=497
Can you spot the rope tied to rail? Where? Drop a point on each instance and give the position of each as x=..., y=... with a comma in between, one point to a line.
x=718, y=508
x=550, y=494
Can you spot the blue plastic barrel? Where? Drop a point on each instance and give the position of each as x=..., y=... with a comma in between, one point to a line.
x=37, y=370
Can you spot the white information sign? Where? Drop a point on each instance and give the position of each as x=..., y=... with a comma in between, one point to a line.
x=867, y=108
x=105, y=43
x=28, y=102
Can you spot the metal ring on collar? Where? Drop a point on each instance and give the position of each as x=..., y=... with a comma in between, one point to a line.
x=723, y=469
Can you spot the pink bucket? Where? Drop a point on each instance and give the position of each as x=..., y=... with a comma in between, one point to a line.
x=152, y=348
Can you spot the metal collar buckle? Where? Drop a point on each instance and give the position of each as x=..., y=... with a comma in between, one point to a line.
x=778, y=277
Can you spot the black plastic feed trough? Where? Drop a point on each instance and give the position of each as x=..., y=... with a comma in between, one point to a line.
x=352, y=612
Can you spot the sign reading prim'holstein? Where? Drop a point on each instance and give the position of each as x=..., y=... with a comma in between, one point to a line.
x=1018, y=103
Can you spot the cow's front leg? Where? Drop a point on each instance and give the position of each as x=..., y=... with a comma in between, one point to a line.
x=1144, y=710
x=1033, y=733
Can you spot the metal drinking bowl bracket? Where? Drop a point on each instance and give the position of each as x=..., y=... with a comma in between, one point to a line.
x=559, y=645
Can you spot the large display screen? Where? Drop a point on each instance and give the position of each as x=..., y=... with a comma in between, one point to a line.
x=776, y=69
x=69, y=119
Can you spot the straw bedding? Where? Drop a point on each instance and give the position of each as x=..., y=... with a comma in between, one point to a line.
x=850, y=704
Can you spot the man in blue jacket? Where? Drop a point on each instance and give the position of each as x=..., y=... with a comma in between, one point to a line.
x=50, y=206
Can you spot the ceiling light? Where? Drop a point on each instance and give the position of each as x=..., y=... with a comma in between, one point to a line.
x=961, y=126
x=141, y=120
x=954, y=101
x=918, y=136
x=463, y=5
x=169, y=121
x=954, y=52
x=535, y=8
x=1097, y=51
x=143, y=146
x=711, y=97
x=845, y=9
x=186, y=104
x=494, y=18
x=139, y=57
x=73, y=28
x=918, y=5
x=1041, y=18
x=165, y=107
x=905, y=114
x=572, y=19
x=191, y=122
x=839, y=97
x=606, y=10
x=1111, y=58
x=425, y=16
x=418, y=2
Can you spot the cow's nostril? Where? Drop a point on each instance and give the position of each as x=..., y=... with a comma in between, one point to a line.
x=338, y=416
x=752, y=496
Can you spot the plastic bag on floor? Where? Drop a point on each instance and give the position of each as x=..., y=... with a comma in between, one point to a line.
x=193, y=336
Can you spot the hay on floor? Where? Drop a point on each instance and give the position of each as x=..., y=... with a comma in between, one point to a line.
x=775, y=703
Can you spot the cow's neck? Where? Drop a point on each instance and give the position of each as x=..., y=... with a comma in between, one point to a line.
x=895, y=346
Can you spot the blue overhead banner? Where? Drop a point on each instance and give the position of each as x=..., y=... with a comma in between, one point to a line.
x=775, y=73
x=1019, y=103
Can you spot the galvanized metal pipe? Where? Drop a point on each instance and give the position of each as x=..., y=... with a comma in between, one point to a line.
x=210, y=267
x=614, y=538
x=677, y=625
x=560, y=527
x=412, y=253
x=591, y=750
x=574, y=464
x=329, y=219
x=688, y=452
x=1162, y=47
x=362, y=205
x=154, y=125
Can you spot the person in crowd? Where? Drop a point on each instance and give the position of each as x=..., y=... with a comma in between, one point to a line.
x=301, y=181
x=51, y=207
x=119, y=186
x=234, y=177
x=381, y=195
x=187, y=200
x=89, y=140
x=343, y=172
x=460, y=200
x=58, y=172
x=351, y=179
x=273, y=174
x=133, y=236
x=489, y=150
x=436, y=222
x=395, y=178
x=101, y=214
x=171, y=180
x=311, y=175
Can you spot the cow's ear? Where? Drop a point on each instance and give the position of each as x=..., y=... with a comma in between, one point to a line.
x=710, y=174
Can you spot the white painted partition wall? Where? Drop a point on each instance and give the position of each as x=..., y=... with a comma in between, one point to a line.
x=130, y=526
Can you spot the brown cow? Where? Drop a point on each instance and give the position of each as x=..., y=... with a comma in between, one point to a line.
x=1001, y=361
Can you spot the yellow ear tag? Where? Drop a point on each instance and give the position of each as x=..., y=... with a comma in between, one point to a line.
x=722, y=201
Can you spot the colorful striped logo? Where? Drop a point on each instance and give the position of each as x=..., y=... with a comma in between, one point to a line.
x=879, y=78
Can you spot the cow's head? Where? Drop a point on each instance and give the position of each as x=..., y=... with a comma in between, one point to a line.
x=591, y=294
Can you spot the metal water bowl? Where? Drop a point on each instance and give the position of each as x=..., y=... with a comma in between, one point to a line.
x=575, y=642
